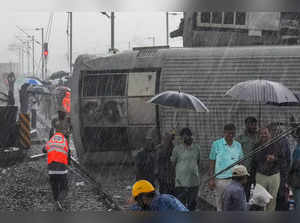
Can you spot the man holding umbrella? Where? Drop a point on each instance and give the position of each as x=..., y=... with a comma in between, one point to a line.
x=266, y=166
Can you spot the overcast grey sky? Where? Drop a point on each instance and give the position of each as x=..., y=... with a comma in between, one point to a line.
x=91, y=33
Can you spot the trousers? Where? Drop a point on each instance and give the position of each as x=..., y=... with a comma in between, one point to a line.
x=221, y=184
x=166, y=188
x=271, y=184
x=188, y=196
x=59, y=185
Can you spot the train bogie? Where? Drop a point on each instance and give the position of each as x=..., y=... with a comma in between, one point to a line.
x=111, y=116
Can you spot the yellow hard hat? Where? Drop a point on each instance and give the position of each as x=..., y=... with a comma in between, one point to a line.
x=142, y=186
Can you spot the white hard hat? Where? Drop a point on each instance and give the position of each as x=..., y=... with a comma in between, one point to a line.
x=239, y=171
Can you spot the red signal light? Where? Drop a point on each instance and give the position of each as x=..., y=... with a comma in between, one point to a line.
x=45, y=48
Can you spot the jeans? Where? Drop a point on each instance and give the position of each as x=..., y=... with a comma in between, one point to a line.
x=188, y=196
x=59, y=185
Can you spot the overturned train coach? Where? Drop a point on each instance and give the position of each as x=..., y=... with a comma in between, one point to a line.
x=110, y=115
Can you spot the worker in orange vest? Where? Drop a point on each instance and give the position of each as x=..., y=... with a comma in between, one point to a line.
x=66, y=103
x=58, y=152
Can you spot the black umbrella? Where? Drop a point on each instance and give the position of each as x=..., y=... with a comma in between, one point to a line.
x=61, y=90
x=263, y=92
x=58, y=75
x=179, y=100
x=39, y=90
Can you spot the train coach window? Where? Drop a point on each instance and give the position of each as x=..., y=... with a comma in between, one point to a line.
x=90, y=86
x=229, y=18
x=118, y=85
x=111, y=85
x=221, y=19
x=104, y=85
x=240, y=18
x=205, y=17
x=217, y=17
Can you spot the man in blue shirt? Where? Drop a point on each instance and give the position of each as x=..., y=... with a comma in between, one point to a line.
x=234, y=197
x=224, y=152
x=147, y=199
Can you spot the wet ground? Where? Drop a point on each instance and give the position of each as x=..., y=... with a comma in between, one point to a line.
x=25, y=187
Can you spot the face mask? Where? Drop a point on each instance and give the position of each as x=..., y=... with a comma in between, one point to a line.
x=172, y=137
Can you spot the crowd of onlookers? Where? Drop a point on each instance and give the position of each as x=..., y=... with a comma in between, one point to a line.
x=273, y=170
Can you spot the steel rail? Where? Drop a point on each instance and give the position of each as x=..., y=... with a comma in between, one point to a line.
x=83, y=173
x=106, y=197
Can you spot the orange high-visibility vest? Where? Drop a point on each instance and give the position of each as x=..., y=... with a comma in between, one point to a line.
x=57, y=149
x=67, y=102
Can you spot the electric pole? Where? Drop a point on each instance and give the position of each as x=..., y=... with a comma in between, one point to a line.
x=112, y=20
x=112, y=30
x=22, y=50
x=28, y=47
x=20, y=60
x=23, y=43
x=43, y=58
x=42, y=52
x=33, y=71
x=28, y=58
x=167, y=28
x=71, y=42
x=46, y=70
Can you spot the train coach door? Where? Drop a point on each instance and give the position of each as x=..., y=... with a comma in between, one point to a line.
x=142, y=116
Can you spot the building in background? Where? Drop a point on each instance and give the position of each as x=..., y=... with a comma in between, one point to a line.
x=238, y=28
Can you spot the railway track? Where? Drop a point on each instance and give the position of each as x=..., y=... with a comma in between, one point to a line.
x=81, y=172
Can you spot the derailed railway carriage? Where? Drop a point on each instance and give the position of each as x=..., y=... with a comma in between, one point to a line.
x=110, y=115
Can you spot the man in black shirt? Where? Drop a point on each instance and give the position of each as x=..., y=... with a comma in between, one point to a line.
x=145, y=162
x=166, y=169
x=283, y=192
x=267, y=165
